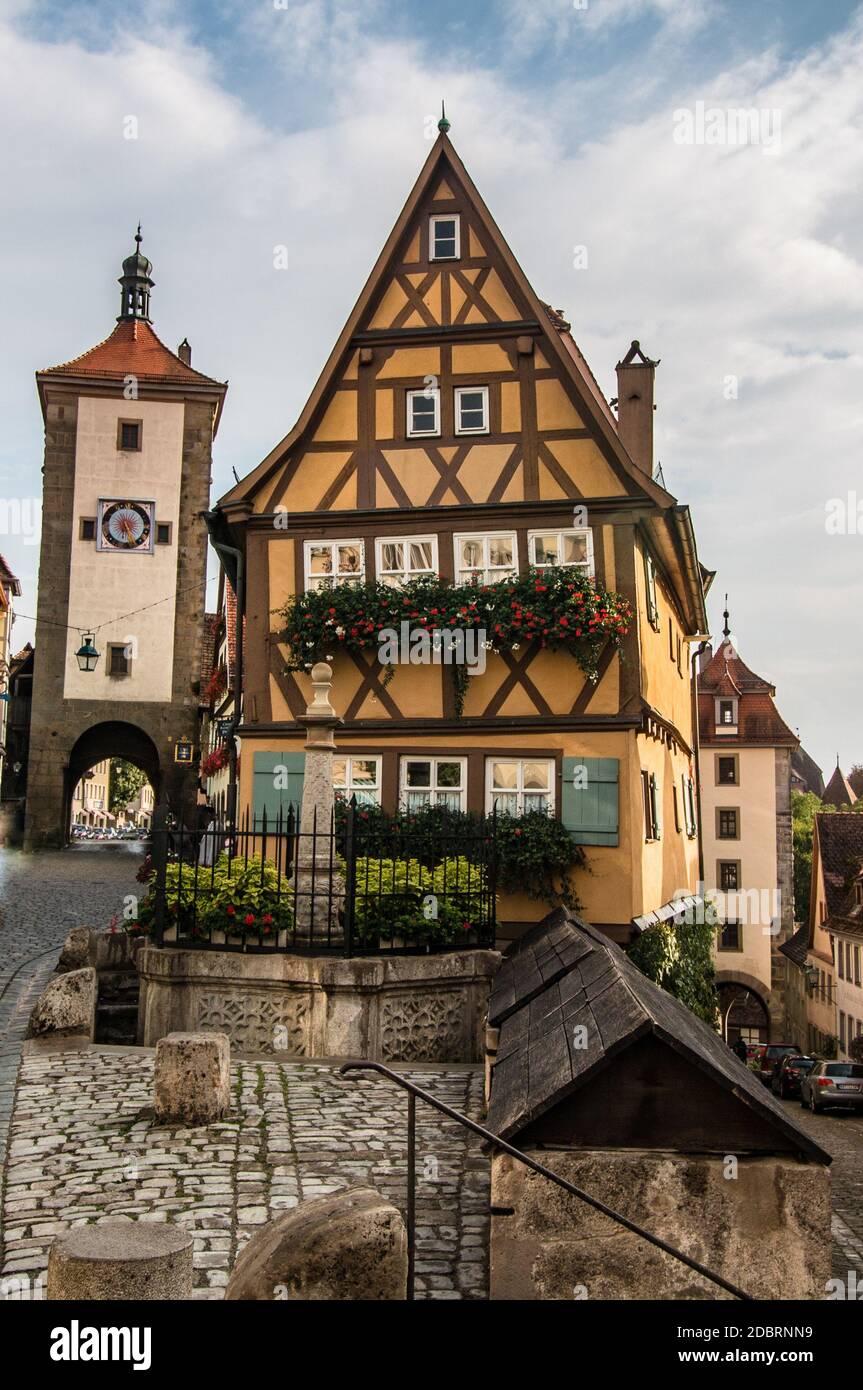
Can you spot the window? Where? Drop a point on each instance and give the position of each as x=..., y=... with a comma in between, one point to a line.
x=729, y=939
x=856, y=965
x=486, y=558
x=728, y=875
x=650, y=794
x=129, y=435
x=679, y=655
x=650, y=585
x=842, y=1030
x=334, y=562
x=548, y=549
x=687, y=789
x=677, y=824
x=471, y=410
x=433, y=782
x=517, y=785
x=423, y=412
x=359, y=777
x=726, y=714
x=726, y=771
x=88, y=528
x=163, y=533
x=408, y=557
x=841, y=961
x=727, y=823
x=445, y=237
x=119, y=659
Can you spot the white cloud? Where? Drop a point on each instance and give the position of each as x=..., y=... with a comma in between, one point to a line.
x=724, y=261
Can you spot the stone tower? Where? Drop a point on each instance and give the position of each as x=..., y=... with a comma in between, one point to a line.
x=129, y=428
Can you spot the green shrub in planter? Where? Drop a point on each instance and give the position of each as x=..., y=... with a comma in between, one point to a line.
x=403, y=901
x=241, y=898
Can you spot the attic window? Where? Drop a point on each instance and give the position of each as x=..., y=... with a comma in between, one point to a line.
x=445, y=238
x=423, y=412
x=726, y=714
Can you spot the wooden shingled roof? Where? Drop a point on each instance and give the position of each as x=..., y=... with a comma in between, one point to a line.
x=567, y=973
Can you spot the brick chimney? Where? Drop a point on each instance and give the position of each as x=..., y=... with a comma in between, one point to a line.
x=635, y=406
x=184, y=352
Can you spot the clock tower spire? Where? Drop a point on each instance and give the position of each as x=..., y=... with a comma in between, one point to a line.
x=135, y=284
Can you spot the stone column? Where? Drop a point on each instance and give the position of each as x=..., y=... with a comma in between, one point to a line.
x=319, y=884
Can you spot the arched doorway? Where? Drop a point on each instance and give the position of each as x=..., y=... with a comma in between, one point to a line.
x=112, y=739
x=743, y=1013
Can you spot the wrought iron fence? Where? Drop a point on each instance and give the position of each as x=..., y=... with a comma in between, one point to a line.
x=347, y=887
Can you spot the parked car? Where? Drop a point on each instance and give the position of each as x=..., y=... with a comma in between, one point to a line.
x=767, y=1055
x=789, y=1073
x=833, y=1083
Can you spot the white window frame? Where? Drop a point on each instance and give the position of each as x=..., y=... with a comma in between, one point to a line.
x=381, y=541
x=427, y=393
x=444, y=217
x=486, y=575
x=434, y=791
x=359, y=578
x=491, y=791
x=486, y=409
x=586, y=566
x=650, y=588
x=345, y=793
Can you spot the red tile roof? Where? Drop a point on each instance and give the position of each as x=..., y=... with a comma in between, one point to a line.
x=758, y=720
x=840, y=841
x=131, y=350
x=8, y=579
x=838, y=791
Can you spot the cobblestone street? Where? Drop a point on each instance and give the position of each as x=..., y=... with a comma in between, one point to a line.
x=842, y=1136
x=41, y=897
x=84, y=1147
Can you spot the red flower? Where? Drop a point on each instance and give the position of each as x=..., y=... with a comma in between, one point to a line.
x=249, y=919
x=232, y=912
x=267, y=919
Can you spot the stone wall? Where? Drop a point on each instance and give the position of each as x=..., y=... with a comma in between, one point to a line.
x=56, y=722
x=785, y=881
x=767, y=1229
x=398, y=1009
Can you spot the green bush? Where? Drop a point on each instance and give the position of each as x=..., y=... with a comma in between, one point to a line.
x=404, y=900
x=233, y=896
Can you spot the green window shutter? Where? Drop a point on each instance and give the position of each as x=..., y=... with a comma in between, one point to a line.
x=655, y=807
x=589, y=800
x=278, y=784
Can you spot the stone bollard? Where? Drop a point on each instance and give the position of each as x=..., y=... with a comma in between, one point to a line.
x=350, y=1246
x=67, y=1006
x=192, y=1078
x=121, y=1261
x=75, y=952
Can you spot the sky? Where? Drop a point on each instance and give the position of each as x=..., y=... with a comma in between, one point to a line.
x=601, y=134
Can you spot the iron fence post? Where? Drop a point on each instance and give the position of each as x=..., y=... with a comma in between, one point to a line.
x=160, y=868
x=412, y=1194
x=350, y=876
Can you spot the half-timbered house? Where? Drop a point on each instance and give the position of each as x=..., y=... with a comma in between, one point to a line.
x=457, y=429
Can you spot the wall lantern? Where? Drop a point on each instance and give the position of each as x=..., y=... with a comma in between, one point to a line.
x=86, y=654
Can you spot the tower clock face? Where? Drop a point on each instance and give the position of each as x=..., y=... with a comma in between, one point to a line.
x=126, y=526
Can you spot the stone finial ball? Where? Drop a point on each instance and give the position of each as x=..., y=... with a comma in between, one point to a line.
x=321, y=672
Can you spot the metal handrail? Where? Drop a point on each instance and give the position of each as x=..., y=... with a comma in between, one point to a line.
x=498, y=1143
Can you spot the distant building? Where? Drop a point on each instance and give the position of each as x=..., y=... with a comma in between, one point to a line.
x=745, y=751
x=91, y=797
x=836, y=932
x=13, y=787
x=806, y=775
x=9, y=589
x=839, y=791
x=218, y=697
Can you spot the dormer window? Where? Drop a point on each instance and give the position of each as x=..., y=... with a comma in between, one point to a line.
x=444, y=237
x=726, y=715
